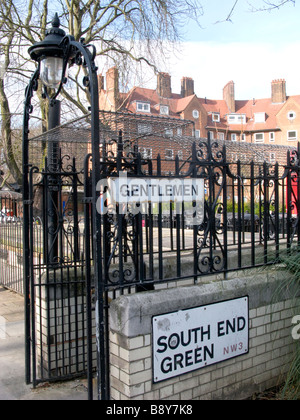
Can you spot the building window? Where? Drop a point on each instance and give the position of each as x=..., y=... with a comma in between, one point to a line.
x=211, y=133
x=164, y=110
x=216, y=117
x=292, y=135
x=233, y=137
x=272, y=158
x=144, y=129
x=180, y=155
x=291, y=115
x=142, y=107
x=195, y=113
x=169, y=154
x=259, y=137
x=145, y=152
x=243, y=137
x=179, y=131
x=272, y=137
x=197, y=134
x=221, y=136
x=168, y=132
x=236, y=119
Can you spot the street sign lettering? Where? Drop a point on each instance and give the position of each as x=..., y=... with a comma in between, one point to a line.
x=191, y=339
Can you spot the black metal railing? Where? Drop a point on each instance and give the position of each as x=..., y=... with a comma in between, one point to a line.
x=249, y=215
x=11, y=241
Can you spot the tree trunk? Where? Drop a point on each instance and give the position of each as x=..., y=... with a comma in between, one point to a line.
x=6, y=133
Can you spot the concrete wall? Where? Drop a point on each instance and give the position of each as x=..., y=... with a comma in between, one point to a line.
x=270, y=342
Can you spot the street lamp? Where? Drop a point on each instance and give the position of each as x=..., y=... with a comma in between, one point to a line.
x=50, y=55
x=53, y=55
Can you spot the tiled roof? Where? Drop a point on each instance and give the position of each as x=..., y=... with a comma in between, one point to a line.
x=177, y=104
x=138, y=94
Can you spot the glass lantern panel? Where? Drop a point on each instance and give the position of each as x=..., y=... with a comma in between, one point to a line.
x=51, y=71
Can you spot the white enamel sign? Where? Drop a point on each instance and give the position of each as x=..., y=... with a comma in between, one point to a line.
x=191, y=339
x=126, y=190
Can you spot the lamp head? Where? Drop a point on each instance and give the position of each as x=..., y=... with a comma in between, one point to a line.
x=49, y=54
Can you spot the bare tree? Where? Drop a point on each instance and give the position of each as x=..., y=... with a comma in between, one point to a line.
x=121, y=28
x=125, y=31
x=270, y=5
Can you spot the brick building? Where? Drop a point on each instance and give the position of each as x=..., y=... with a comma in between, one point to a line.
x=274, y=121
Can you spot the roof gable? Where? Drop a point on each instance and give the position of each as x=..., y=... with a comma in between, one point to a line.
x=291, y=101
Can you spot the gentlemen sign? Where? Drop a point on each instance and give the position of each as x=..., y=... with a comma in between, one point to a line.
x=188, y=340
x=126, y=190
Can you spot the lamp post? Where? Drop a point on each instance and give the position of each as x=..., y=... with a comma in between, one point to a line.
x=49, y=55
x=53, y=55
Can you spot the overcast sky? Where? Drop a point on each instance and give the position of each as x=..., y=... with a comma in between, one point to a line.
x=252, y=50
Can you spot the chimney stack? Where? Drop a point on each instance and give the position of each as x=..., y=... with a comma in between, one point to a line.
x=187, y=87
x=278, y=91
x=164, y=85
x=112, y=87
x=229, y=96
x=100, y=82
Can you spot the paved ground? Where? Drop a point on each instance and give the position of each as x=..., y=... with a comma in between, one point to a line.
x=12, y=359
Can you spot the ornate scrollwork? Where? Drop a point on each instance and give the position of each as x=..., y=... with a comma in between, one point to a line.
x=294, y=158
x=120, y=238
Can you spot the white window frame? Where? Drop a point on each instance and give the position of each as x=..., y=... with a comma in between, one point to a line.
x=164, y=110
x=292, y=138
x=236, y=119
x=195, y=113
x=169, y=132
x=259, y=117
x=146, y=152
x=171, y=157
x=143, y=107
x=291, y=115
x=216, y=117
x=144, y=128
x=221, y=136
x=272, y=157
x=272, y=137
x=197, y=134
x=233, y=136
x=243, y=137
x=259, y=140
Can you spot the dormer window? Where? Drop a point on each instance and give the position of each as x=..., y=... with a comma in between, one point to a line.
x=164, y=110
x=216, y=117
x=142, y=107
x=260, y=117
x=236, y=118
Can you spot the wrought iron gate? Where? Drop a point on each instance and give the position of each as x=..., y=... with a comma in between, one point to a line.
x=250, y=215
